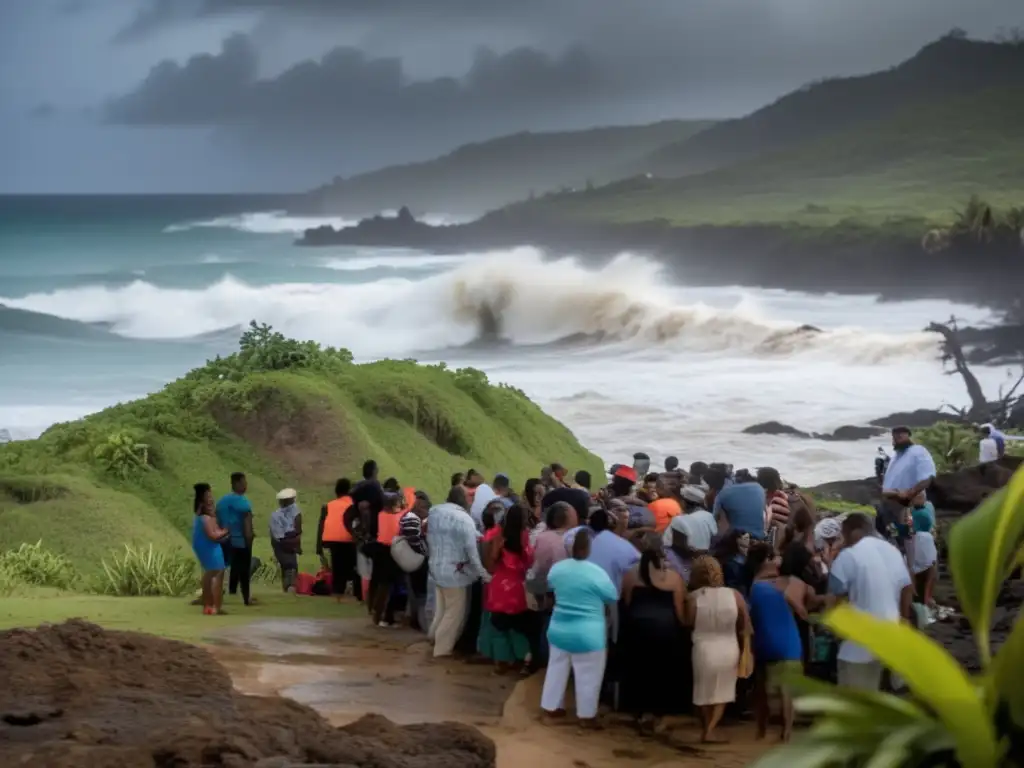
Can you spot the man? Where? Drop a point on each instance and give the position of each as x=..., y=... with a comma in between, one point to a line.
x=577, y=498
x=872, y=574
x=335, y=532
x=234, y=512
x=582, y=480
x=558, y=474
x=910, y=472
x=739, y=506
x=992, y=446
x=671, y=464
x=778, y=502
x=693, y=530
x=411, y=529
x=454, y=565
x=502, y=487
x=286, y=536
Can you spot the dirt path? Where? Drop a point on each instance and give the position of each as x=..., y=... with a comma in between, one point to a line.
x=345, y=669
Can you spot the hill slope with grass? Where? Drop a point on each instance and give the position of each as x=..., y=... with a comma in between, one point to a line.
x=946, y=69
x=477, y=177
x=910, y=169
x=287, y=414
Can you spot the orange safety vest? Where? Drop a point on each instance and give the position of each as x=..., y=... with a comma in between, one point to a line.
x=335, y=531
x=388, y=526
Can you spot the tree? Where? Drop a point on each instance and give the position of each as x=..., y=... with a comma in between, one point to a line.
x=981, y=408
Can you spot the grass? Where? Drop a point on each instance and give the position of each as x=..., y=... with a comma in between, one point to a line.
x=906, y=171
x=484, y=175
x=286, y=414
x=165, y=616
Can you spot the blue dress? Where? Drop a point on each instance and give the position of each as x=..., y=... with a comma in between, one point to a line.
x=208, y=552
x=776, y=637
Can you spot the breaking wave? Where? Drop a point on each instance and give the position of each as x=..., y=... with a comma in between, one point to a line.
x=515, y=297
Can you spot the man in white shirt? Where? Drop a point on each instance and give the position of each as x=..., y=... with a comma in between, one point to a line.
x=872, y=575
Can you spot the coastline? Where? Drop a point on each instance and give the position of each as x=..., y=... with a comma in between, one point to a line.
x=849, y=260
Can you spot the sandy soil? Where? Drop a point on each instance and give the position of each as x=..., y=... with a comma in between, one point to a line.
x=347, y=668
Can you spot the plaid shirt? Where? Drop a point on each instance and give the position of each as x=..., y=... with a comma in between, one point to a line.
x=452, y=542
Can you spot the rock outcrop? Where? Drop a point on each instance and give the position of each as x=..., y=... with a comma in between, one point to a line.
x=76, y=695
x=842, y=434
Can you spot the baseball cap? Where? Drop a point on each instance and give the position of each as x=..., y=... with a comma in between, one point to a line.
x=626, y=473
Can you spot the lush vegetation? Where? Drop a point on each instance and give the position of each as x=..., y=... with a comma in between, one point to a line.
x=477, y=177
x=954, y=445
x=949, y=718
x=109, y=497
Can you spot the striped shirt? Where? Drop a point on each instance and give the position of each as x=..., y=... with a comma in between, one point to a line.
x=410, y=528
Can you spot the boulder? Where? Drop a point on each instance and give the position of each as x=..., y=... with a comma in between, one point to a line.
x=846, y=432
x=919, y=419
x=965, y=489
x=866, y=491
x=775, y=428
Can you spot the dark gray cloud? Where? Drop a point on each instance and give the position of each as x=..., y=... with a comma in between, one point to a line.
x=347, y=87
x=274, y=94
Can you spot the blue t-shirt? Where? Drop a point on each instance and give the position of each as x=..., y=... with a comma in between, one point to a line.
x=581, y=591
x=743, y=505
x=231, y=512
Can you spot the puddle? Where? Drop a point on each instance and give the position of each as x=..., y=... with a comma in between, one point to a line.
x=347, y=668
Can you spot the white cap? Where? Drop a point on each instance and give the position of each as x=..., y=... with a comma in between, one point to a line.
x=287, y=493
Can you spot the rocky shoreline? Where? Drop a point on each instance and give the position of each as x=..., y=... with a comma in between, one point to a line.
x=845, y=260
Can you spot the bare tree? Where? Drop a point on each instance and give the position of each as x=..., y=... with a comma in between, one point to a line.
x=981, y=408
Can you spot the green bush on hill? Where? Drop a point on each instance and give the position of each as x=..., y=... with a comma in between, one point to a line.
x=286, y=413
x=32, y=565
x=954, y=445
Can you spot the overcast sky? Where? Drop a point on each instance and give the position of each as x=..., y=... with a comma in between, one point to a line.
x=278, y=95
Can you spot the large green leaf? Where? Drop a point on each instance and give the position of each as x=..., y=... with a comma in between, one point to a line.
x=1006, y=672
x=934, y=677
x=983, y=550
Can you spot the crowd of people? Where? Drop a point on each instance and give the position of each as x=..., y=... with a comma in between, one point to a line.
x=714, y=572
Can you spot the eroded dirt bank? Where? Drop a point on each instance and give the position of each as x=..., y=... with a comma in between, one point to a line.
x=75, y=695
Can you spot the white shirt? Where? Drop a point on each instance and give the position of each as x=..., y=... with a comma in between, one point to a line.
x=872, y=574
x=988, y=450
x=698, y=526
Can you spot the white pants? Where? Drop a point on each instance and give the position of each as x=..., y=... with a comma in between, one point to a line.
x=587, y=668
x=450, y=610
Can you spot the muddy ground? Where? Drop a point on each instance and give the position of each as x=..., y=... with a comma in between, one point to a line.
x=75, y=695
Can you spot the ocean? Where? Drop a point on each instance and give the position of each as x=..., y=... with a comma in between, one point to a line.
x=106, y=299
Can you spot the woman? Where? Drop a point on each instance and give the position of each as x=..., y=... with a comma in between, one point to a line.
x=286, y=537
x=653, y=612
x=731, y=553
x=668, y=503
x=718, y=616
x=206, y=539
x=578, y=635
x=924, y=555
x=385, y=573
x=533, y=494
x=506, y=622
x=411, y=529
x=550, y=546
x=774, y=599
x=799, y=549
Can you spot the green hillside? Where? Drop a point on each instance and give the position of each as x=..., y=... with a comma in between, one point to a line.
x=946, y=69
x=287, y=414
x=914, y=166
x=477, y=177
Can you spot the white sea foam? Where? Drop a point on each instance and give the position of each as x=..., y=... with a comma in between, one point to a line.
x=262, y=223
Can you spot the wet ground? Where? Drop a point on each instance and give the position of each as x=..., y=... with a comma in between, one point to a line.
x=347, y=668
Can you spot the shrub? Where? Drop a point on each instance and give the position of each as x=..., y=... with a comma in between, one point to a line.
x=32, y=565
x=8, y=583
x=266, y=573
x=145, y=572
x=950, y=718
x=122, y=456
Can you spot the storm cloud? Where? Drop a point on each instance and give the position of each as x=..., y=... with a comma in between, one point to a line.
x=346, y=87
x=284, y=94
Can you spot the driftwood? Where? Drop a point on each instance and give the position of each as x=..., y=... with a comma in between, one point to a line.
x=981, y=409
